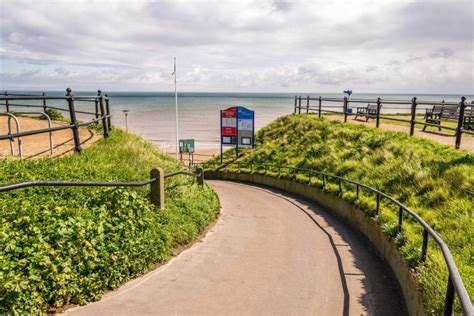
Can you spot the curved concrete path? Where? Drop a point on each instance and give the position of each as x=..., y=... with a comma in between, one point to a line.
x=269, y=253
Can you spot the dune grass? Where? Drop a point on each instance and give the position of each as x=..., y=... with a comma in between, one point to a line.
x=61, y=246
x=434, y=180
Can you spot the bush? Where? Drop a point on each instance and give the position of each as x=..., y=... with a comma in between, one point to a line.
x=54, y=115
x=62, y=246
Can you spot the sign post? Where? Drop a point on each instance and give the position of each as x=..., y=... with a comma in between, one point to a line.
x=187, y=146
x=237, y=128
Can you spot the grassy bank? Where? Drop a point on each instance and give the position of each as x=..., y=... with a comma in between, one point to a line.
x=434, y=180
x=62, y=246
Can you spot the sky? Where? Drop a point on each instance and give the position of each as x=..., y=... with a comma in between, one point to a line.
x=368, y=46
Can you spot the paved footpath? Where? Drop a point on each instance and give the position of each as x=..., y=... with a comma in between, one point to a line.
x=269, y=253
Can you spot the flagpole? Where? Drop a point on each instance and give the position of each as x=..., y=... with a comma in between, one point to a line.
x=176, y=105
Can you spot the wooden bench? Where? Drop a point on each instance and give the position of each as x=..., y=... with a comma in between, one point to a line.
x=368, y=111
x=449, y=113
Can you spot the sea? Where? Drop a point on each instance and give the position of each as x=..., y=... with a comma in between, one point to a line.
x=152, y=114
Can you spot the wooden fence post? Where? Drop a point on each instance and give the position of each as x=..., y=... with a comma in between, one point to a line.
x=379, y=105
x=200, y=178
x=413, y=116
x=102, y=114
x=157, y=188
x=319, y=109
x=75, y=126
x=462, y=107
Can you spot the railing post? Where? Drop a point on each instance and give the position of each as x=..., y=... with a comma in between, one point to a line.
x=307, y=104
x=413, y=116
x=96, y=109
x=400, y=219
x=296, y=102
x=462, y=106
x=75, y=126
x=357, y=190
x=7, y=105
x=345, y=109
x=107, y=108
x=377, y=123
x=319, y=109
x=200, y=178
x=424, y=246
x=102, y=113
x=449, y=302
x=377, y=210
x=44, y=103
x=157, y=188
x=299, y=105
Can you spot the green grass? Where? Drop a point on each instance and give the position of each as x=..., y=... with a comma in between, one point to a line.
x=62, y=246
x=434, y=180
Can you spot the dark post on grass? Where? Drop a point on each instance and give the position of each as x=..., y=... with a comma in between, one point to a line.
x=72, y=114
x=157, y=188
x=345, y=109
x=413, y=116
x=107, y=108
x=307, y=104
x=462, y=107
x=200, y=178
x=319, y=107
x=299, y=105
x=296, y=102
x=96, y=101
x=102, y=113
x=44, y=103
x=379, y=105
x=8, y=105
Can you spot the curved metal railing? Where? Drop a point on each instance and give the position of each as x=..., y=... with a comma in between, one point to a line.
x=455, y=284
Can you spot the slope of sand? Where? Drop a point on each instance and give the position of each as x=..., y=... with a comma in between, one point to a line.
x=36, y=146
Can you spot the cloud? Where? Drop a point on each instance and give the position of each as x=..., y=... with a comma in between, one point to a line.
x=269, y=45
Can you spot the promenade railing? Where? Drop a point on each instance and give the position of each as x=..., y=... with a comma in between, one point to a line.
x=455, y=285
x=100, y=113
x=413, y=107
x=156, y=182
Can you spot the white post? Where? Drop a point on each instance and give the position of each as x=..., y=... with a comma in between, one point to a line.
x=176, y=104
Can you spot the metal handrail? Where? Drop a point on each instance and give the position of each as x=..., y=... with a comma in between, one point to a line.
x=18, y=130
x=455, y=283
x=51, y=147
x=42, y=183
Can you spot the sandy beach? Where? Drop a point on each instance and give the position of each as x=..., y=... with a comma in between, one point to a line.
x=38, y=146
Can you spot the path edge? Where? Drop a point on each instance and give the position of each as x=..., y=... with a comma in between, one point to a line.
x=355, y=218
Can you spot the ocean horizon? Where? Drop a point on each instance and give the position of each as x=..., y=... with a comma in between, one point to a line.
x=152, y=114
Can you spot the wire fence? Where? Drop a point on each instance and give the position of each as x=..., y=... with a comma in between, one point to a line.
x=457, y=117
x=455, y=285
x=13, y=101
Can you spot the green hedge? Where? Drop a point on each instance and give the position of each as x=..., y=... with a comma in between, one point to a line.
x=62, y=246
x=434, y=180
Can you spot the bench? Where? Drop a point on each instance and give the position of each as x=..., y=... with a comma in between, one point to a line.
x=369, y=111
x=449, y=113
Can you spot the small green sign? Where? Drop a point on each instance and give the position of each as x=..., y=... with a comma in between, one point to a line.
x=186, y=145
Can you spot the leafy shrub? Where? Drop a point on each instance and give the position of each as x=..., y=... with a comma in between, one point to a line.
x=54, y=115
x=69, y=245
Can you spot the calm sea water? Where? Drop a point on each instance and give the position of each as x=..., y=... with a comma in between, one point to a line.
x=152, y=115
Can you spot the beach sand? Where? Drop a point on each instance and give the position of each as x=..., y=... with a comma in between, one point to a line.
x=37, y=146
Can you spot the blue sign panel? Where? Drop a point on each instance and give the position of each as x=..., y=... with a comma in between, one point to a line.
x=237, y=128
